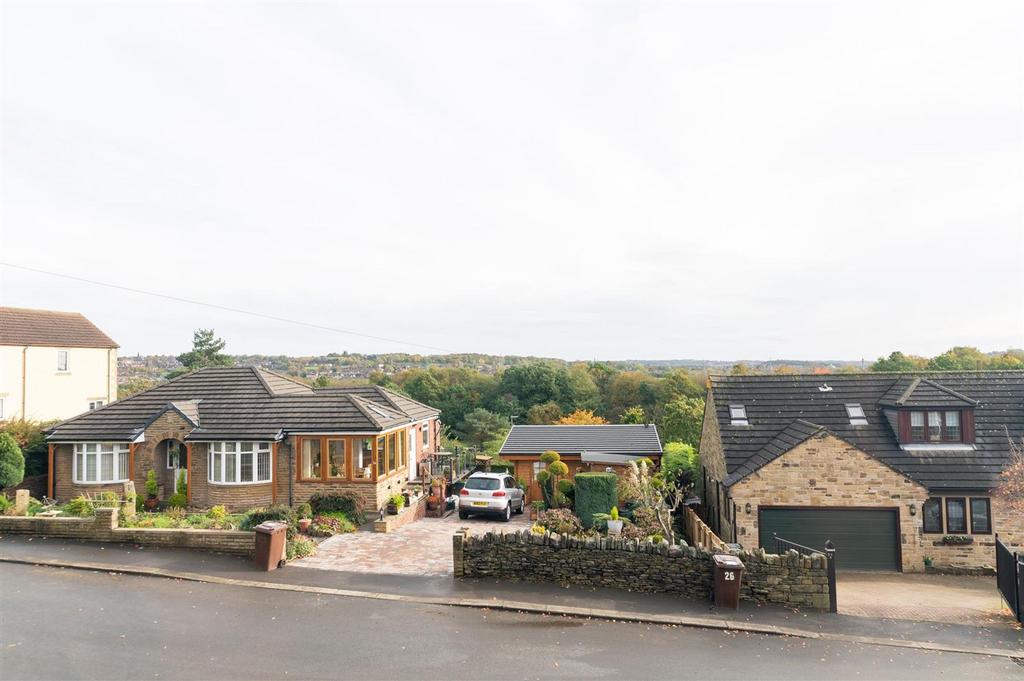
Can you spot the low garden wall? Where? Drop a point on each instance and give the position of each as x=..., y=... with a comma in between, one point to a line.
x=791, y=580
x=409, y=514
x=103, y=527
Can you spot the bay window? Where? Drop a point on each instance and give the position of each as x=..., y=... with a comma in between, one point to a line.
x=239, y=463
x=100, y=462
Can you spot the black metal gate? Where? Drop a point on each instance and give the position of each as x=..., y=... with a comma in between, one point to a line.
x=1010, y=578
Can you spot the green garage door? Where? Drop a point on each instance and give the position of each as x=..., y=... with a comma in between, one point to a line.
x=864, y=539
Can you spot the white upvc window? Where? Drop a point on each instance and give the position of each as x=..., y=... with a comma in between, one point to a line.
x=95, y=404
x=62, y=360
x=426, y=434
x=99, y=462
x=1, y=408
x=239, y=463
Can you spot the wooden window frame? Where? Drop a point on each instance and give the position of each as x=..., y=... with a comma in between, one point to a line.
x=963, y=501
x=988, y=514
x=942, y=516
x=943, y=436
x=345, y=459
x=380, y=456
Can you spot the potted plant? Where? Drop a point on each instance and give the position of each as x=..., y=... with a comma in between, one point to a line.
x=614, y=523
x=151, y=489
x=396, y=502
x=928, y=560
x=305, y=513
x=535, y=508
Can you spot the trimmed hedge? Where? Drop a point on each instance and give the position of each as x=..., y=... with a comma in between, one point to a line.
x=595, y=493
x=349, y=504
x=279, y=512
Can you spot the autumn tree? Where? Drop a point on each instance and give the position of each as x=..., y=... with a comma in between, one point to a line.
x=543, y=414
x=682, y=420
x=581, y=417
x=633, y=415
x=1011, y=480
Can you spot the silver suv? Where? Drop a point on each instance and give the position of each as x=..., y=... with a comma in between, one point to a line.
x=491, y=493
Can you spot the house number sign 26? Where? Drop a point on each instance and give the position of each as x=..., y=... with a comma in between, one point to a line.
x=730, y=576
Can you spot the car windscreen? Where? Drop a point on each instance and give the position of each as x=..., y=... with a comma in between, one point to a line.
x=483, y=483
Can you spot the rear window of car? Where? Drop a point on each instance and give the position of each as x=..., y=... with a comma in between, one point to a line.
x=482, y=483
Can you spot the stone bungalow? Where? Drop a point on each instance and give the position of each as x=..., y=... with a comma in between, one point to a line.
x=582, y=448
x=893, y=468
x=246, y=437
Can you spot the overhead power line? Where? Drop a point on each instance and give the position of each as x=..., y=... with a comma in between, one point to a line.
x=225, y=308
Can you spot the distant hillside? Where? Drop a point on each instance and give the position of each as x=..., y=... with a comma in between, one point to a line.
x=358, y=368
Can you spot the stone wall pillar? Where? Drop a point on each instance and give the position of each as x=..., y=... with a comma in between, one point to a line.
x=458, y=542
x=21, y=502
x=105, y=523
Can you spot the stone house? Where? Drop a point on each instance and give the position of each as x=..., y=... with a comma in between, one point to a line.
x=244, y=437
x=53, y=365
x=582, y=448
x=892, y=468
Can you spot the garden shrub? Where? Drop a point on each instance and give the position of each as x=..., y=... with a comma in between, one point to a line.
x=304, y=510
x=561, y=521
x=177, y=500
x=12, y=461
x=595, y=493
x=80, y=506
x=299, y=547
x=217, y=513
x=350, y=504
x=34, y=506
x=330, y=525
x=5, y=504
x=280, y=512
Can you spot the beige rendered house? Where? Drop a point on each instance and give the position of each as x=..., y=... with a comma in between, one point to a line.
x=895, y=469
x=53, y=365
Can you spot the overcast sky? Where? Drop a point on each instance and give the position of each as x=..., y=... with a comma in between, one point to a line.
x=715, y=180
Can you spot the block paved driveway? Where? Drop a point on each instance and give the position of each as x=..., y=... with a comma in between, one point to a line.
x=423, y=548
x=935, y=598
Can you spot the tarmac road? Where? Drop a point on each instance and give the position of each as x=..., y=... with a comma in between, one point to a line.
x=73, y=624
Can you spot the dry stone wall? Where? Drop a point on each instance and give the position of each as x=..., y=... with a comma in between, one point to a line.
x=790, y=580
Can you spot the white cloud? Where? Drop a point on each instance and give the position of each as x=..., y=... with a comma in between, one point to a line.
x=634, y=180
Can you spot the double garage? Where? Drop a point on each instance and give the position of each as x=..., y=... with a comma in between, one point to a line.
x=865, y=538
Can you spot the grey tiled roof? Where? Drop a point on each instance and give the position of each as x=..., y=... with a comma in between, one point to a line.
x=775, y=406
x=606, y=439
x=23, y=326
x=244, y=403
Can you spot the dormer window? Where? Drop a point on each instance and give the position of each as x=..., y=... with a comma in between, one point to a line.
x=934, y=426
x=738, y=415
x=856, y=414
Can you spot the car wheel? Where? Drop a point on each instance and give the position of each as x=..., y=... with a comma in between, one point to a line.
x=463, y=515
x=507, y=515
x=522, y=507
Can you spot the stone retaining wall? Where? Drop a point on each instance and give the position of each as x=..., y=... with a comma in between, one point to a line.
x=791, y=580
x=104, y=527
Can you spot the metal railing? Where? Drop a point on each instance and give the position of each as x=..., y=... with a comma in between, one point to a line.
x=784, y=545
x=1010, y=578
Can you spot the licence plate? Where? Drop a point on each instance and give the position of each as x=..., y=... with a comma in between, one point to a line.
x=479, y=503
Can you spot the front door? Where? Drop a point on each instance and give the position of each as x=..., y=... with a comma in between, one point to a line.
x=413, y=463
x=175, y=465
